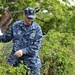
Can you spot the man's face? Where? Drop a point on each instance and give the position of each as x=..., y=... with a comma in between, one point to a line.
x=27, y=21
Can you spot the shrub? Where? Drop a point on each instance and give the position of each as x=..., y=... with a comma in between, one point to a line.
x=5, y=68
x=57, y=54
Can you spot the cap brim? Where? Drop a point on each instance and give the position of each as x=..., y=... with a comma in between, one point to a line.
x=31, y=16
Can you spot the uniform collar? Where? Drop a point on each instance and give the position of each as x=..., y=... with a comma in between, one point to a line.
x=32, y=26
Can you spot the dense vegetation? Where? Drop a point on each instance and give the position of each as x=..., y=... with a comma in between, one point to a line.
x=58, y=25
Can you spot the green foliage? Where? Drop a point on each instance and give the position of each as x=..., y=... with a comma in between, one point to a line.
x=57, y=54
x=5, y=68
x=58, y=47
x=59, y=16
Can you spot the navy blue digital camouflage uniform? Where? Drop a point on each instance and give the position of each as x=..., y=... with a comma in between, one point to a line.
x=28, y=38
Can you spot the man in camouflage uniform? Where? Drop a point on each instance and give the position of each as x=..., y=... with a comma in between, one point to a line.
x=27, y=37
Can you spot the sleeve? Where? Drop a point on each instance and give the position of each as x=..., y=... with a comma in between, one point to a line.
x=7, y=36
x=34, y=44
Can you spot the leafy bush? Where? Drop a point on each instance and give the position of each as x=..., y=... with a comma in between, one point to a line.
x=9, y=70
x=57, y=54
x=5, y=68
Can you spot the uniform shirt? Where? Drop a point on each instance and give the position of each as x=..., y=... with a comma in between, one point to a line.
x=25, y=37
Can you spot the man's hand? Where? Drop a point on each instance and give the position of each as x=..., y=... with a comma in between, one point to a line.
x=1, y=32
x=18, y=53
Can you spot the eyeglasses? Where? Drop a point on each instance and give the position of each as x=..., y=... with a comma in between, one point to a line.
x=29, y=18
